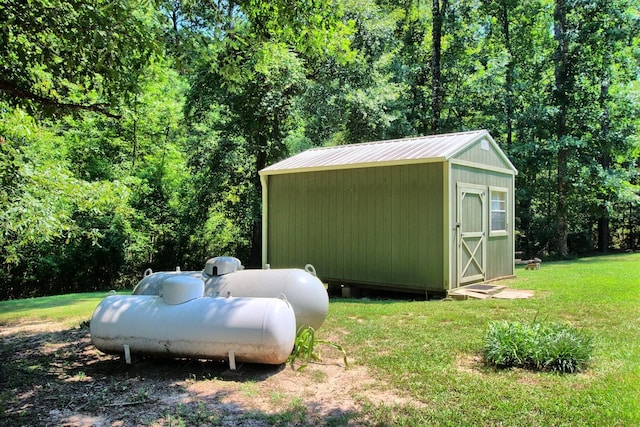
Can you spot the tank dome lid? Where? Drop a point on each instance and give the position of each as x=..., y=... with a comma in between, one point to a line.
x=221, y=265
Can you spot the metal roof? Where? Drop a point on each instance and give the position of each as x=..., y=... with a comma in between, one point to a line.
x=397, y=151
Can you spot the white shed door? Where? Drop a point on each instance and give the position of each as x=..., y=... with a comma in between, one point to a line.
x=471, y=234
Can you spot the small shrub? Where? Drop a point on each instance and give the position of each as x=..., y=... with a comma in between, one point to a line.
x=539, y=346
x=304, y=348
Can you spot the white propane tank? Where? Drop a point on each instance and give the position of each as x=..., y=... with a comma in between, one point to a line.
x=305, y=292
x=151, y=284
x=255, y=330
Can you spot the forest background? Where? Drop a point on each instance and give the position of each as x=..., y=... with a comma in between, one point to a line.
x=132, y=131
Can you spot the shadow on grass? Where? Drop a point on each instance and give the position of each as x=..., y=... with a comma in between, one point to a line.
x=60, y=378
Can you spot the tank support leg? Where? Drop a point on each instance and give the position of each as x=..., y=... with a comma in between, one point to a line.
x=127, y=354
x=232, y=360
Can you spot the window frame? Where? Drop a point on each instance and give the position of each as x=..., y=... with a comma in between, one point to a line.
x=501, y=231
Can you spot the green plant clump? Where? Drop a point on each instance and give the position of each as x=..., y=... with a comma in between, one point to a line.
x=305, y=348
x=540, y=346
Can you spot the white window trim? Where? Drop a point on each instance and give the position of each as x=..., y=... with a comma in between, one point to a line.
x=505, y=231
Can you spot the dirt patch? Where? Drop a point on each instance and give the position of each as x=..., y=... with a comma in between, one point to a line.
x=470, y=363
x=53, y=375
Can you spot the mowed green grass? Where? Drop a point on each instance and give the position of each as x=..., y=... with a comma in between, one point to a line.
x=68, y=309
x=430, y=352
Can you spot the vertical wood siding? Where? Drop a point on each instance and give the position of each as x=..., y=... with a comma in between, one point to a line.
x=378, y=226
x=490, y=157
x=500, y=256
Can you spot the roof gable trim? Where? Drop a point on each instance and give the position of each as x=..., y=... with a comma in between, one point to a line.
x=265, y=172
x=494, y=145
x=474, y=165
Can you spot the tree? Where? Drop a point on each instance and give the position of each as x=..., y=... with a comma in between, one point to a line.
x=73, y=56
x=519, y=47
x=589, y=36
x=502, y=12
x=146, y=144
x=608, y=31
x=251, y=71
x=52, y=221
x=563, y=86
x=438, y=10
x=254, y=104
x=363, y=99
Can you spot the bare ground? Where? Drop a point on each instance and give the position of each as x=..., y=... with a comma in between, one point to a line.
x=53, y=375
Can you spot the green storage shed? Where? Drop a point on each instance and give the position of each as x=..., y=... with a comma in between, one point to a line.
x=419, y=215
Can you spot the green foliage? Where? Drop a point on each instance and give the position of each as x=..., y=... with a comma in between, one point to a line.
x=571, y=167
x=247, y=107
x=304, y=348
x=195, y=98
x=309, y=27
x=55, y=222
x=88, y=196
x=539, y=346
x=363, y=99
x=86, y=53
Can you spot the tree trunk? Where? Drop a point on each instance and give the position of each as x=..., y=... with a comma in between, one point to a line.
x=562, y=205
x=561, y=60
x=134, y=136
x=438, y=11
x=255, y=256
x=604, y=232
x=508, y=84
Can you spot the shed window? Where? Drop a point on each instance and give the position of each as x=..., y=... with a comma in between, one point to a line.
x=498, y=211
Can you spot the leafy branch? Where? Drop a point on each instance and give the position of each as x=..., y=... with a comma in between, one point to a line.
x=15, y=92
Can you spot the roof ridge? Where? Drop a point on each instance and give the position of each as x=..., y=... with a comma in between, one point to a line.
x=390, y=141
x=419, y=149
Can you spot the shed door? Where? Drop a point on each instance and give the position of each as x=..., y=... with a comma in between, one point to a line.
x=471, y=234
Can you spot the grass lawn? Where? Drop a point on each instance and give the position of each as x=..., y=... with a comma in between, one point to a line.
x=70, y=309
x=431, y=351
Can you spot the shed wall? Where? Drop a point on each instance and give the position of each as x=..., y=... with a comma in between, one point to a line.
x=378, y=226
x=500, y=249
x=483, y=153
